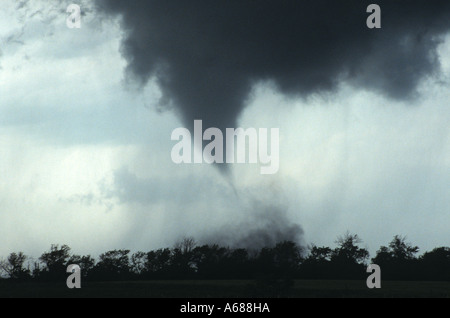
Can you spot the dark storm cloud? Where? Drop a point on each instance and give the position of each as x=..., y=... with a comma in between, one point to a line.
x=206, y=55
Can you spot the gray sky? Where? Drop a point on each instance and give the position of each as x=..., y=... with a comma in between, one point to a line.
x=85, y=148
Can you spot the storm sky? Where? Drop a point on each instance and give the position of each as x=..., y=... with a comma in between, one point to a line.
x=86, y=117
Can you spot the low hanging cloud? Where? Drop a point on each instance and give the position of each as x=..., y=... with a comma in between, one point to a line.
x=207, y=55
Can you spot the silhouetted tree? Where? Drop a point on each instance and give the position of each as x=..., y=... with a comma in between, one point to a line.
x=238, y=264
x=276, y=267
x=319, y=254
x=435, y=265
x=348, y=249
x=272, y=268
x=37, y=271
x=317, y=264
x=186, y=245
x=13, y=266
x=157, y=264
x=86, y=264
x=401, y=250
x=383, y=257
x=398, y=261
x=181, y=266
x=56, y=262
x=138, y=260
x=210, y=261
x=348, y=260
x=113, y=265
x=282, y=260
x=287, y=258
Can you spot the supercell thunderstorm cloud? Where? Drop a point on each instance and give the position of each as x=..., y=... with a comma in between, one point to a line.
x=207, y=55
x=363, y=117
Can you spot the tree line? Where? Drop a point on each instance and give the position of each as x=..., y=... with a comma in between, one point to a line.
x=286, y=260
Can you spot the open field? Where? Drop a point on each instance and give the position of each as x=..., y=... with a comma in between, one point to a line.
x=226, y=289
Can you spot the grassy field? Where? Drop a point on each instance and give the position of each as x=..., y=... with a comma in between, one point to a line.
x=226, y=289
